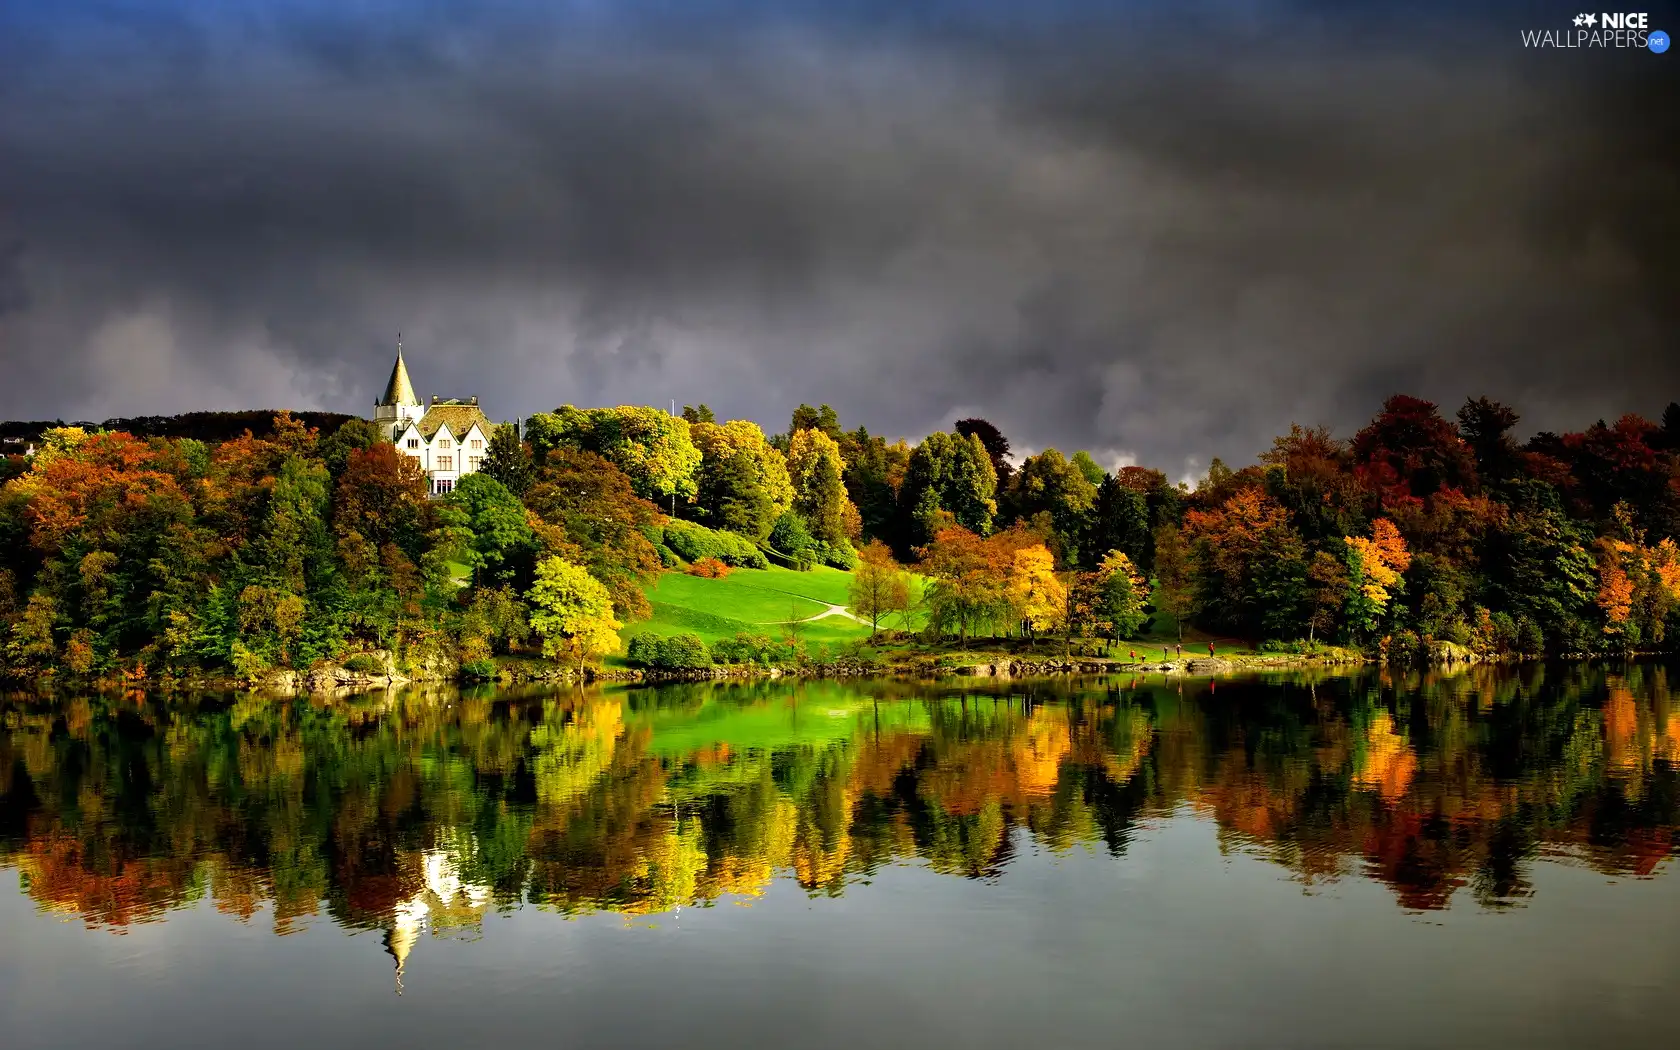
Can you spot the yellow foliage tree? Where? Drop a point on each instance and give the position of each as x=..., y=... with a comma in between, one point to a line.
x=572, y=611
x=1038, y=596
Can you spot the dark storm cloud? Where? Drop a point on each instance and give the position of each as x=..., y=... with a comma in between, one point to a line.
x=1162, y=232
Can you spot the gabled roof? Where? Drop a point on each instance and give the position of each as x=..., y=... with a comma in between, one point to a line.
x=458, y=418
x=399, y=391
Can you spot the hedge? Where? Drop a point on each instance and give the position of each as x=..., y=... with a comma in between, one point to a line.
x=679, y=652
x=692, y=542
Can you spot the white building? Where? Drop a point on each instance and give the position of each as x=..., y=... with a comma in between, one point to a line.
x=449, y=437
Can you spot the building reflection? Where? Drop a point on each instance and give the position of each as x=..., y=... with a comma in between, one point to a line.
x=419, y=813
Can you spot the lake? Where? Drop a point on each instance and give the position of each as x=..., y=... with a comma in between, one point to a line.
x=1373, y=860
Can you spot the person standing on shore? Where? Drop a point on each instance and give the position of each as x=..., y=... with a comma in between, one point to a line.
x=1166, y=656
x=1210, y=648
x=1180, y=648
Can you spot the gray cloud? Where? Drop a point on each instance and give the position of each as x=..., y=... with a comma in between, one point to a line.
x=1162, y=237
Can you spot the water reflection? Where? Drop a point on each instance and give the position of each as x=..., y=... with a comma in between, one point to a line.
x=420, y=812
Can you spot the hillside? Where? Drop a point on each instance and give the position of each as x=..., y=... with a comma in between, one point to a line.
x=754, y=601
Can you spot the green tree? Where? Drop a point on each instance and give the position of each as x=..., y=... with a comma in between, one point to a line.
x=1119, y=521
x=822, y=419
x=508, y=461
x=572, y=612
x=1122, y=596
x=1049, y=484
x=1082, y=462
x=356, y=435
x=950, y=473
x=502, y=548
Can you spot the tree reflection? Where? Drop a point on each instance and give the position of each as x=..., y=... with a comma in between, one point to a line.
x=421, y=811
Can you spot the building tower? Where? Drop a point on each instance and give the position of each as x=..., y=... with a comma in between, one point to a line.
x=399, y=407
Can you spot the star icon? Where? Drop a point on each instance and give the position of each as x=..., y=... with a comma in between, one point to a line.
x=1580, y=20
x=1592, y=20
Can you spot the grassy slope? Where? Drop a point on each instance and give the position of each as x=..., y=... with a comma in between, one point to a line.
x=756, y=601
x=753, y=601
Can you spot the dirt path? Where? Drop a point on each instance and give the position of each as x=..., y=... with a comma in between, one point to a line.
x=832, y=610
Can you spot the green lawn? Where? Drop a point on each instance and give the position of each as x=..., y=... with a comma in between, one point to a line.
x=750, y=601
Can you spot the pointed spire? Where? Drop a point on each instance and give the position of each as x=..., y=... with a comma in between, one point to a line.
x=399, y=391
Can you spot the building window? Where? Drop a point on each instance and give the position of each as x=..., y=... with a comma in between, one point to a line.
x=413, y=442
x=444, y=485
x=443, y=443
x=446, y=463
x=474, y=461
x=477, y=444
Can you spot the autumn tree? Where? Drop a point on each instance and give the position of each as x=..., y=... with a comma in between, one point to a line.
x=1249, y=563
x=995, y=444
x=1409, y=451
x=1175, y=583
x=1327, y=593
x=824, y=420
x=572, y=612
x=1374, y=573
x=968, y=584
x=654, y=449
x=1035, y=594
x=879, y=586
x=742, y=481
x=598, y=521
x=817, y=471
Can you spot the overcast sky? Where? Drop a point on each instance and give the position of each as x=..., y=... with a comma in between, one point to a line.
x=1158, y=231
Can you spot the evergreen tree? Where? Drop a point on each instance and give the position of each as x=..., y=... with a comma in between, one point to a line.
x=508, y=461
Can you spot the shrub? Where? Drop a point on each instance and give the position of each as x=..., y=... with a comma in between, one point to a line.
x=642, y=651
x=709, y=568
x=364, y=663
x=839, y=556
x=667, y=557
x=693, y=542
x=792, y=538
x=1459, y=633
x=745, y=649
x=680, y=652
x=479, y=671
x=1405, y=646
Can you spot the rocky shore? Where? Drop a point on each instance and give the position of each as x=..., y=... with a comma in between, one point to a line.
x=380, y=670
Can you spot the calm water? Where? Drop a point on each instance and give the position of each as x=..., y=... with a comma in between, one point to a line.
x=1482, y=860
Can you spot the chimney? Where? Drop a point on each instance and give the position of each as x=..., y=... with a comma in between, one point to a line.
x=475, y=399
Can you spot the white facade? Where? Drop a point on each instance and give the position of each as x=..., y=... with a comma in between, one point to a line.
x=446, y=457
x=448, y=437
